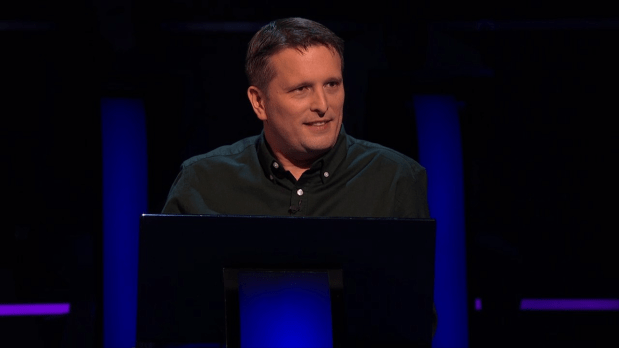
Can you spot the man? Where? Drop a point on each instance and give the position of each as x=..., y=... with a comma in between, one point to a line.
x=303, y=163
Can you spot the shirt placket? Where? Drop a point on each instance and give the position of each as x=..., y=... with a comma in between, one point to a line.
x=298, y=201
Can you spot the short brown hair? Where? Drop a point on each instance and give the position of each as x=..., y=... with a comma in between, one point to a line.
x=284, y=33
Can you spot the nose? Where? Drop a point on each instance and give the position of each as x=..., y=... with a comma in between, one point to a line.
x=319, y=103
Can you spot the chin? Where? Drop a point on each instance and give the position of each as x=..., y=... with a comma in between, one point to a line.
x=320, y=148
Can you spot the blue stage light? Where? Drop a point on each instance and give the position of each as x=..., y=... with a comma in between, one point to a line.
x=440, y=152
x=123, y=132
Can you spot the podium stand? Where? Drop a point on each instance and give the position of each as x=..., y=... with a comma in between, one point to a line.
x=387, y=272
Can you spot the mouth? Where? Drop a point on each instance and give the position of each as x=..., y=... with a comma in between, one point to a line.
x=317, y=123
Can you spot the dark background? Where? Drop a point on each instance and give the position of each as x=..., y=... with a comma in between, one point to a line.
x=536, y=84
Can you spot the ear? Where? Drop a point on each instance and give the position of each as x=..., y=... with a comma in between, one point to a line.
x=257, y=100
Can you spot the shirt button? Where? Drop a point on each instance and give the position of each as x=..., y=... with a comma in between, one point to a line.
x=326, y=174
x=300, y=192
x=271, y=177
x=275, y=165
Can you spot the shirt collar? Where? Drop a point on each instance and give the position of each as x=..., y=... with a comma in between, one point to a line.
x=326, y=165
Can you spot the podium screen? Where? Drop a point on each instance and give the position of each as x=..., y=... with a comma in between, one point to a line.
x=285, y=309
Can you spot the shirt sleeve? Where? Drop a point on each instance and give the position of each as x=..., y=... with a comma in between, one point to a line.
x=185, y=196
x=172, y=204
x=412, y=194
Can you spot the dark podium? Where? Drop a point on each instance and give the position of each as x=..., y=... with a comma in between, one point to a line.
x=387, y=268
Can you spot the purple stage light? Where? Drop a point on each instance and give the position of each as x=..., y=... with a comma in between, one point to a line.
x=582, y=304
x=478, y=304
x=34, y=309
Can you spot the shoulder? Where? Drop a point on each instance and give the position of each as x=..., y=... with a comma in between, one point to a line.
x=242, y=150
x=401, y=180
x=362, y=150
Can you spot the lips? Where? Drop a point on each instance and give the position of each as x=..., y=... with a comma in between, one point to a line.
x=316, y=123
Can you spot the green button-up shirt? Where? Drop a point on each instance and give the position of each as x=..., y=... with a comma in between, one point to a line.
x=354, y=179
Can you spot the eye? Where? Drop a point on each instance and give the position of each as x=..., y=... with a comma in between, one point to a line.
x=300, y=89
x=333, y=84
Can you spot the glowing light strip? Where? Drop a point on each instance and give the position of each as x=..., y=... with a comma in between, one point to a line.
x=478, y=304
x=7, y=310
x=440, y=152
x=564, y=304
x=123, y=131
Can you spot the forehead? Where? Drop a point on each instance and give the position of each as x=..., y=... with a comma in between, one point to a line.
x=313, y=63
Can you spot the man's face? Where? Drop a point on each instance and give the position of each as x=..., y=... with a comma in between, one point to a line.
x=304, y=103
